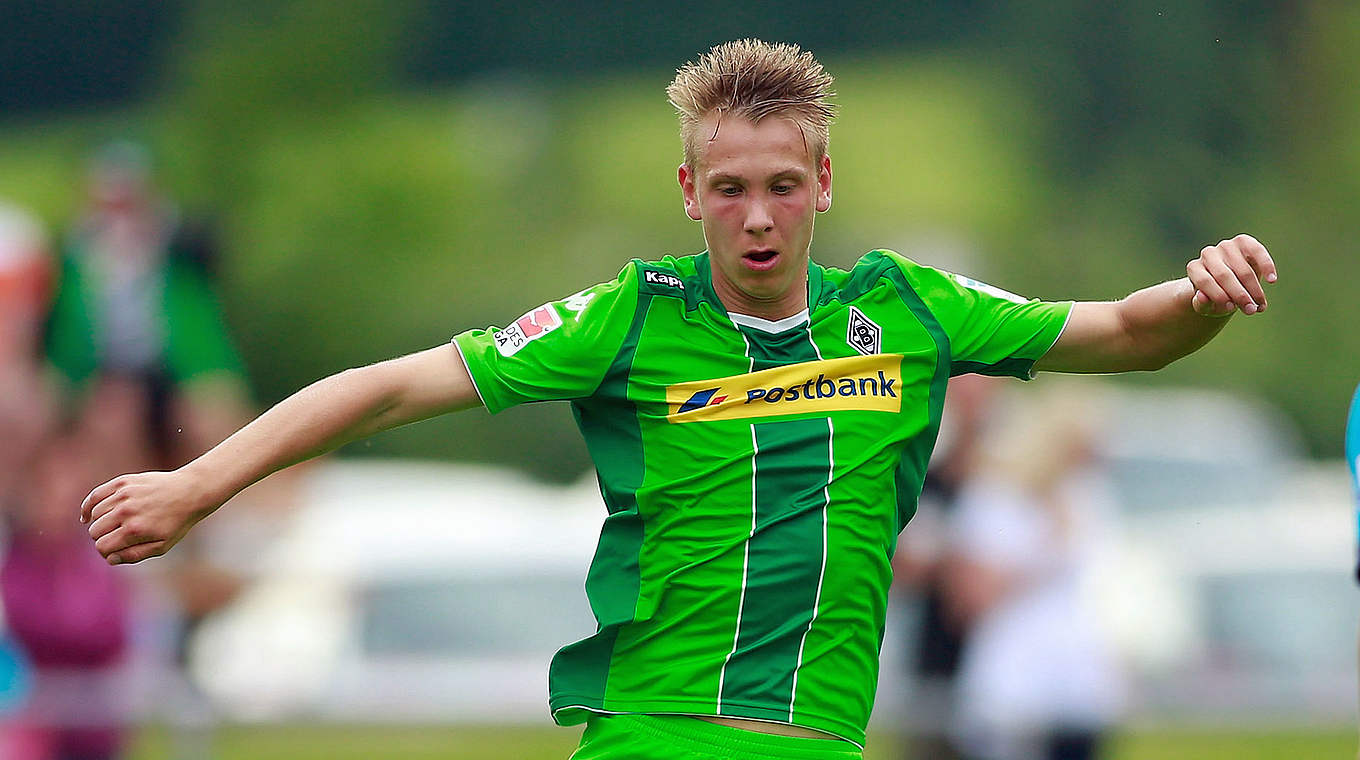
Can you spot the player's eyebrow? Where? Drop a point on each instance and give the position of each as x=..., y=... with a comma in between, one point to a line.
x=794, y=172
x=723, y=178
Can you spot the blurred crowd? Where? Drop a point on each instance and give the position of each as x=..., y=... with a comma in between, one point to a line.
x=114, y=357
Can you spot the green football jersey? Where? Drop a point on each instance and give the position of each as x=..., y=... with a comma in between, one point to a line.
x=756, y=473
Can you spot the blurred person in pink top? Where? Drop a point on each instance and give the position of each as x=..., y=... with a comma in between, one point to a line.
x=63, y=610
x=26, y=404
x=69, y=613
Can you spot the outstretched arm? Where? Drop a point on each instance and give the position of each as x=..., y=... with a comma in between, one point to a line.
x=133, y=517
x=1155, y=326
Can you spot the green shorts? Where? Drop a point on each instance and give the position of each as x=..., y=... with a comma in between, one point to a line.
x=679, y=737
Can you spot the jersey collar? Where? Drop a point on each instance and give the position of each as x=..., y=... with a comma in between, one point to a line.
x=767, y=326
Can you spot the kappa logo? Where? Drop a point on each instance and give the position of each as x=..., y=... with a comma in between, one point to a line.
x=529, y=327
x=853, y=383
x=661, y=278
x=863, y=334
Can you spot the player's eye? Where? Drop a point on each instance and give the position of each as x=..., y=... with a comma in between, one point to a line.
x=782, y=189
x=730, y=190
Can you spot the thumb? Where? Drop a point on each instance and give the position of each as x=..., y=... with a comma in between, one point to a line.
x=1205, y=307
x=1201, y=304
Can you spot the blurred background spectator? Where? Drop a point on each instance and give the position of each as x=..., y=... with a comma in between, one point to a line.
x=69, y=613
x=137, y=332
x=136, y=329
x=27, y=413
x=1037, y=679
x=27, y=403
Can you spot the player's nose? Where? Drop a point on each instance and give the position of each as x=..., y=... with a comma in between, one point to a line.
x=758, y=217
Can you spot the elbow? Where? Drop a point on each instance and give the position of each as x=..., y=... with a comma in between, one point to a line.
x=371, y=389
x=1145, y=358
x=1144, y=349
x=1158, y=359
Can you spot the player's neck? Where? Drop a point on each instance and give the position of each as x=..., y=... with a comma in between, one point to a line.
x=793, y=301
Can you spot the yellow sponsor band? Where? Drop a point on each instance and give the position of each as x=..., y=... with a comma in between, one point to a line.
x=854, y=383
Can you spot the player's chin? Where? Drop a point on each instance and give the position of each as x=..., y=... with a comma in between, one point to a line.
x=767, y=286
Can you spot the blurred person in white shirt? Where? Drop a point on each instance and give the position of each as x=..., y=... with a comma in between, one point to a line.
x=1038, y=680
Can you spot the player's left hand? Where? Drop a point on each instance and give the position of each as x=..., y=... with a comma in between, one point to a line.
x=134, y=517
x=1228, y=277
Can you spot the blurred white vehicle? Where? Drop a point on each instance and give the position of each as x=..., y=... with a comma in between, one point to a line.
x=408, y=591
x=1234, y=567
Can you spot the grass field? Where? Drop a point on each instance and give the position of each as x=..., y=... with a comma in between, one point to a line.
x=315, y=742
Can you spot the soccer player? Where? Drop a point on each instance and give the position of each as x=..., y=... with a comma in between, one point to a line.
x=759, y=424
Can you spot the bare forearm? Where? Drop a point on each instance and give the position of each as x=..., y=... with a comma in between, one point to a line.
x=1155, y=326
x=1162, y=326
x=1146, y=330
x=319, y=418
x=335, y=411
x=133, y=517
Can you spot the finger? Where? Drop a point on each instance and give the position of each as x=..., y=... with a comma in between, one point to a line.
x=137, y=553
x=1219, y=264
x=1259, y=258
x=1206, y=284
x=105, y=508
x=123, y=537
x=104, y=525
x=1244, y=265
x=1201, y=304
x=100, y=493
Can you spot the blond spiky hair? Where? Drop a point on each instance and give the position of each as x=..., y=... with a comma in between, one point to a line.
x=754, y=79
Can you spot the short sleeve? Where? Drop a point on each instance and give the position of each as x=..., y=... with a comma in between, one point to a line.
x=560, y=350
x=991, y=331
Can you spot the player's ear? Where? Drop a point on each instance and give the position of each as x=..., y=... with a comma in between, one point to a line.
x=687, y=177
x=824, y=184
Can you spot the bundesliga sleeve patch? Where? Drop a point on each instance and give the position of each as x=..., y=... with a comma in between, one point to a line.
x=990, y=290
x=865, y=383
x=529, y=327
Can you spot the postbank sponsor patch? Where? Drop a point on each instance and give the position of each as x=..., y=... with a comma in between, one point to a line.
x=862, y=383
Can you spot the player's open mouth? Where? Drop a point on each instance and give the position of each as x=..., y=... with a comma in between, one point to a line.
x=760, y=260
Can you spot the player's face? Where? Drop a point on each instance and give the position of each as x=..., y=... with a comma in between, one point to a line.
x=757, y=189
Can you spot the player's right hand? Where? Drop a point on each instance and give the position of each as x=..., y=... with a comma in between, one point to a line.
x=1228, y=277
x=133, y=517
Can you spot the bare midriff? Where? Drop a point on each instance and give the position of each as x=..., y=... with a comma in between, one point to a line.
x=761, y=727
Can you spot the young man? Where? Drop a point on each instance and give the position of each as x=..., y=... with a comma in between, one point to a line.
x=760, y=426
